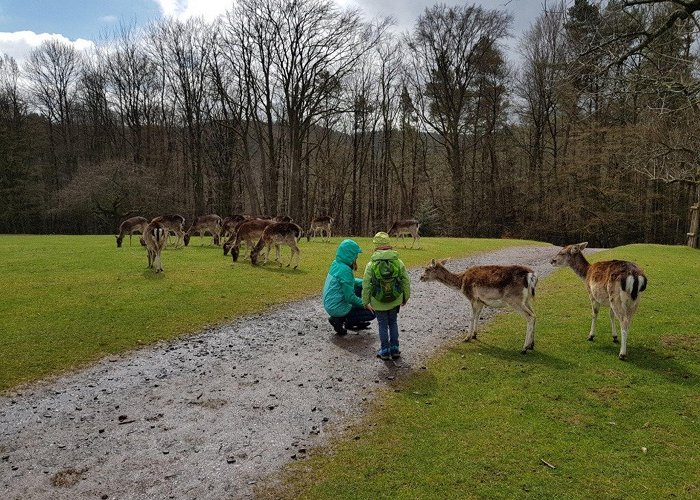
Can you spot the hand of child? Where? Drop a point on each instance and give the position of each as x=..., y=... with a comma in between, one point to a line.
x=369, y=307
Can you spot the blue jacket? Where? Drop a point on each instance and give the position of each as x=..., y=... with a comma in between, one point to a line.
x=339, y=290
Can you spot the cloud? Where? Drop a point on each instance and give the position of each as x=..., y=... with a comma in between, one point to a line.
x=183, y=9
x=108, y=19
x=20, y=43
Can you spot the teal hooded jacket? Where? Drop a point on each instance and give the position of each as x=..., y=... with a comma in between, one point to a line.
x=339, y=290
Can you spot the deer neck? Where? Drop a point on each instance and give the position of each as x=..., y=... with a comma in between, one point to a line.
x=579, y=264
x=449, y=278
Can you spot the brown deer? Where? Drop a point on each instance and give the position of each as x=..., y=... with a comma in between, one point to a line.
x=230, y=224
x=282, y=218
x=131, y=226
x=205, y=224
x=279, y=233
x=249, y=232
x=155, y=236
x=494, y=286
x=408, y=227
x=613, y=283
x=322, y=223
x=174, y=223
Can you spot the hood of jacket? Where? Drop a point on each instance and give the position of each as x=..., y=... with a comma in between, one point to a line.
x=347, y=252
x=385, y=255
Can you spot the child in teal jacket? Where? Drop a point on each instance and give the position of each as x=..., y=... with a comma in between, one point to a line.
x=386, y=305
x=341, y=291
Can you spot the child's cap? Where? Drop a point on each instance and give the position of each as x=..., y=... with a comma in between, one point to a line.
x=381, y=239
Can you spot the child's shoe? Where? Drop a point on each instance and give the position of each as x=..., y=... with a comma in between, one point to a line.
x=338, y=325
x=395, y=352
x=384, y=354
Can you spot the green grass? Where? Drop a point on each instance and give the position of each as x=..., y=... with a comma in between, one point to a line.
x=479, y=420
x=70, y=300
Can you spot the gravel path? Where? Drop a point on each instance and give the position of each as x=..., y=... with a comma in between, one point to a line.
x=211, y=415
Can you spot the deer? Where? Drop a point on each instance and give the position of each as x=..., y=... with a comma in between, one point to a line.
x=205, y=223
x=408, y=227
x=230, y=224
x=174, y=223
x=493, y=286
x=155, y=235
x=278, y=233
x=322, y=223
x=131, y=226
x=613, y=283
x=249, y=232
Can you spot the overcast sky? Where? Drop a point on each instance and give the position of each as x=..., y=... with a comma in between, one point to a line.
x=24, y=24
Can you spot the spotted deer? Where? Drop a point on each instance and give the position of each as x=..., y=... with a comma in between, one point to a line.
x=322, y=223
x=613, y=283
x=155, y=235
x=205, y=224
x=408, y=227
x=131, y=226
x=174, y=223
x=279, y=233
x=230, y=224
x=494, y=286
x=249, y=232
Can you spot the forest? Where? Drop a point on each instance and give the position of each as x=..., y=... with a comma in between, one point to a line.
x=302, y=108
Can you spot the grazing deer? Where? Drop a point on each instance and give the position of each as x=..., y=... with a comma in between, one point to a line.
x=493, y=286
x=322, y=223
x=408, y=227
x=249, y=232
x=155, y=235
x=205, y=223
x=131, y=226
x=230, y=224
x=613, y=283
x=279, y=233
x=174, y=223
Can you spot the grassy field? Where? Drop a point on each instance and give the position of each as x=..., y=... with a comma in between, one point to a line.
x=482, y=418
x=70, y=300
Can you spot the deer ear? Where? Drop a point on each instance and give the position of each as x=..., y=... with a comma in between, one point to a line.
x=443, y=262
x=432, y=263
x=583, y=245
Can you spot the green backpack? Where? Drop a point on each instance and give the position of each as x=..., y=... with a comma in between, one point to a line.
x=386, y=280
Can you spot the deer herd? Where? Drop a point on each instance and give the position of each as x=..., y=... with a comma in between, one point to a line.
x=615, y=284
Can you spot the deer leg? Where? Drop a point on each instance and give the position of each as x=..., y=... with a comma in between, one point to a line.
x=530, y=335
x=595, y=306
x=612, y=325
x=130, y=239
x=476, y=312
x=278, y=255
x=624, y=316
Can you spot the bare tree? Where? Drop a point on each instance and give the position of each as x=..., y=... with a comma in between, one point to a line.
x=53, y=70
x=184, y=50
x=448, y=46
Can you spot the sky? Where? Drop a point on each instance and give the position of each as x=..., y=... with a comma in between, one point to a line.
x=24, y=24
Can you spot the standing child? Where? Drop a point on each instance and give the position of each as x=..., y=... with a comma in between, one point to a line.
x=386, y=287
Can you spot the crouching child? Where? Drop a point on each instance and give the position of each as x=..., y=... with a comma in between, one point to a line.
x=342, y=292
x=386, y=287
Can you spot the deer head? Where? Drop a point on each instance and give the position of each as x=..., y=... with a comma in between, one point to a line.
x=120, y=238
x=434, y=270
x=567, y=253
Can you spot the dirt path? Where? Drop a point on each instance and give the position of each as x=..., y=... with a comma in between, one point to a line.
x=211, y=415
